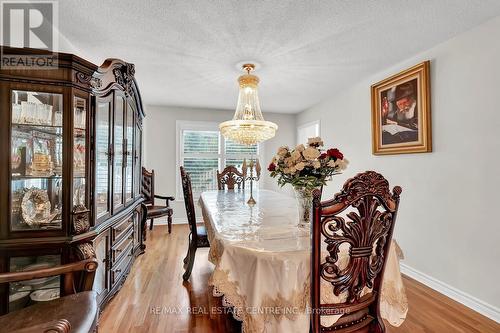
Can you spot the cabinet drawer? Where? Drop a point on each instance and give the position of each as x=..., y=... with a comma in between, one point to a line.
x=120, y=268
x=118, y=230
x=124, y=247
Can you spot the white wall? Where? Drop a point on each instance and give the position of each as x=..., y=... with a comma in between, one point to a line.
x=160, y=145
x=448, y=226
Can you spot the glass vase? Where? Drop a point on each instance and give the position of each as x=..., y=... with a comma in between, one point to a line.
x=304, y=198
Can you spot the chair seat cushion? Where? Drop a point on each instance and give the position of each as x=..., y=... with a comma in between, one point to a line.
x=79, y=309
x=158, y=211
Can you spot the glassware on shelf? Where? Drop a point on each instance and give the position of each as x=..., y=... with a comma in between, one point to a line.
x=57, y=118
x=43, y=114
x=18, y=155
x=80, y=111
x=23, y=293
x=79, y=151
x=26, y=114
x=35, y=108
x=36, y=162
x=16, y=113
x=41, y=163
x=79, y=192
x=79, y=158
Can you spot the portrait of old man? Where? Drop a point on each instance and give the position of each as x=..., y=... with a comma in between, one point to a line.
x=399, y=111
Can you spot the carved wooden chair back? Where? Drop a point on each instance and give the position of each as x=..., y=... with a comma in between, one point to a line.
x=188, y=201
x=148, y=186
x=360, y=217
x=229, y=177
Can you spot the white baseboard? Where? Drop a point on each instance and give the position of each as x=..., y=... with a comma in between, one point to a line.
x=469, y=301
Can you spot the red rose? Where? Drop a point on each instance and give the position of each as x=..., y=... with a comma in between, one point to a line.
x=323, y=156
x=271, y=167
x=335, y=154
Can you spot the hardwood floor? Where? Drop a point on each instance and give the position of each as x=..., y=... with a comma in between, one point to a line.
x=155, y=299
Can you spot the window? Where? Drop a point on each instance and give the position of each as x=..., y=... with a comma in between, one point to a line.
x=235, y=153
x=306, y=131
x=202, y=150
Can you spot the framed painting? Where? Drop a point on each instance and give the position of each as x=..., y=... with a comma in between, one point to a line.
x=401, y=112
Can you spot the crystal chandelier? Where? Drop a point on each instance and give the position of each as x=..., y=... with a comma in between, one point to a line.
x=248, y=125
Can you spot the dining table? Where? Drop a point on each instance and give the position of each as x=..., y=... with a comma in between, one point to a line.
x=262, y=263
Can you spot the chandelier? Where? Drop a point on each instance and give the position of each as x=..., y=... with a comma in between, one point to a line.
x=248, y=125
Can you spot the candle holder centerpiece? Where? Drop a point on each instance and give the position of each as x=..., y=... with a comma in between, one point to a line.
x=248, y=174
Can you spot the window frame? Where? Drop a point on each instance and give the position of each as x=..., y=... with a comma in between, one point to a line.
x=308, y=124
x=186, y=125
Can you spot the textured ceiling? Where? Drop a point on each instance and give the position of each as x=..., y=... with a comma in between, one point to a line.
x=186, y=52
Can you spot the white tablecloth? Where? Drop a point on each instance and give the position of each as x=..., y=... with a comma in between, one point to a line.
x=262, y=263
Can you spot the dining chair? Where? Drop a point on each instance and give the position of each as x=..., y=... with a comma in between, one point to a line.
x=361, y=217
x=198, y=235
x=229, y=177
x=148, y=192
x=76, y=312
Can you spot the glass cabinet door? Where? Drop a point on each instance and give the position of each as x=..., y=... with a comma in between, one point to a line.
x=102, y=158
x=79, y=151
x=36, y=160
x=129, y=137
x=101, y=281
x=118, y=127
x=137, y=161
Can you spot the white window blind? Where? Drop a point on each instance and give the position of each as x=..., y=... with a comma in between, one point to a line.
x=200, y=152
x=306, y=131
x=203, y=151
x=235, y=153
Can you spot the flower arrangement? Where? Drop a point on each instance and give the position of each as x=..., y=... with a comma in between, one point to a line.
x=307, y=167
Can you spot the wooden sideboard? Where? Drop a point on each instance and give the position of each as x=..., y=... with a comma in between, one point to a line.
x=70, y=147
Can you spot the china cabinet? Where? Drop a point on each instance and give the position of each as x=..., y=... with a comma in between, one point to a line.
x=70, y=142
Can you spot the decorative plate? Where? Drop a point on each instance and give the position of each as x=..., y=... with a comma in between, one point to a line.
x=45, y=295
x=35, y=207
x=18, y=295
x=79, y=195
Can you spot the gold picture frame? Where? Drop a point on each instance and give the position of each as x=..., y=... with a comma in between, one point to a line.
x=401, y=112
